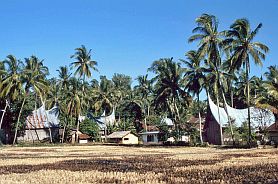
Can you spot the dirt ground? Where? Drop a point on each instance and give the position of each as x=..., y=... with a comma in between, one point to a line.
x=119, y=164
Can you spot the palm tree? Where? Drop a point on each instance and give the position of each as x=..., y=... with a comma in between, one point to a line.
x=168, y=87
x=272, y=82
x=240, y=39
x=2, y=75
x=103, y=94
x=33, y=78
x=194, y=79
x=12, y=86
x=210, y=41
x=269, y=96
x=144, y=89
x=64, y=77
x=83, y=64
x=11, y=83
x=208, y=37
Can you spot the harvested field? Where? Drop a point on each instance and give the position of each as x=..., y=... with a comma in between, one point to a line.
x=116, y=164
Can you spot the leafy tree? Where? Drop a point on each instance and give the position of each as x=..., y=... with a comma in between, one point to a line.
x=90, y=127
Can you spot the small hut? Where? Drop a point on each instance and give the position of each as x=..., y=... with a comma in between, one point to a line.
x=150, y=137
x=83, y=138
x=122, y=137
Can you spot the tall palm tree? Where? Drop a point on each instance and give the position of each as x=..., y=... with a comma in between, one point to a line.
x=83, y=64
x=194, y=79
x=240, y=38
x=210, y=40
x=33, y=78
x=12, y=86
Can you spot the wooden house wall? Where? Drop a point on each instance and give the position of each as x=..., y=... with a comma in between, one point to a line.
x=211, y=130
x=34, y=135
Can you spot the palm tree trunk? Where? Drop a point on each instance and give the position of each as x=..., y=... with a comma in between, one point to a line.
x=178, y=118
x=3, y=114
x=148, y=110
x=78, y=122
x=229, y=118
x=18, y=119
x=64, y=130
x=200, y=119
x=77, y=129
x=145, y=122
x=217, y=88
x=145, y=119
x=220, y=125
x=232, y=98
x=248, y=101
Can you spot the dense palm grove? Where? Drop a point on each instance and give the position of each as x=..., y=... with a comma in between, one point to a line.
x=220, y=65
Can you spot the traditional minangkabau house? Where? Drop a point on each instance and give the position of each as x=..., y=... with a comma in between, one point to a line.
x=215, y=118
x=41, y=125
x=103, y=121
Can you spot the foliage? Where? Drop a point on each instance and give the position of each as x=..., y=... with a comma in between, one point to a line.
x=90, y=127
x=244, y=132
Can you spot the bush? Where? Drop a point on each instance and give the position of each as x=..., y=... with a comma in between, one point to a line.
x=90, y=127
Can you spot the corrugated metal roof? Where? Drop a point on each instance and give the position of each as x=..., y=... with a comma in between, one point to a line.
x=151, y=132
x=119, y=134
x=167, y=121
x=42, y=118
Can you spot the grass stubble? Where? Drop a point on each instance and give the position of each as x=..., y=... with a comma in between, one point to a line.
x=116, y=164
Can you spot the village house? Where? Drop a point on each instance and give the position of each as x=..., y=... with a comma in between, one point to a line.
x=150, y=137
x=122, y=137
x=273, y=132
x=217, y=118
x=41, y=125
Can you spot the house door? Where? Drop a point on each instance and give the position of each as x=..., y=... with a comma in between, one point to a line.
x=150, y=138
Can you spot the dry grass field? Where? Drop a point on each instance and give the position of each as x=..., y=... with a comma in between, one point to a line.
x=117, y=164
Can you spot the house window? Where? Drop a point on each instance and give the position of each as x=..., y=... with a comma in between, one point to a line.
x=150, y=138
x=125, y=139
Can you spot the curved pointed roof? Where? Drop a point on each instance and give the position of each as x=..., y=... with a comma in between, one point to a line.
x=258, y=116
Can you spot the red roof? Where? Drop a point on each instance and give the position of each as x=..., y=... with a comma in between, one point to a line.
x=151, y=127
x=195, y=120
x=83, y=136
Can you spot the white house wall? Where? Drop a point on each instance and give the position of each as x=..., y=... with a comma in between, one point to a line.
x=145, y=138
x=132, y=139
